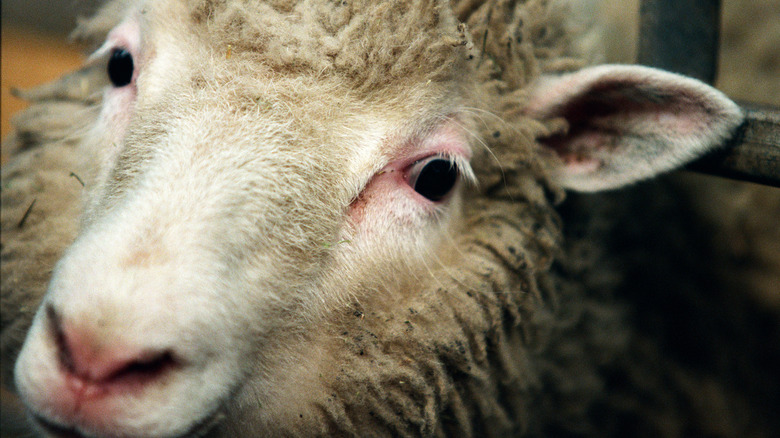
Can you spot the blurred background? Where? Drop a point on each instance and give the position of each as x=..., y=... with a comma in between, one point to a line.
x=35, y=47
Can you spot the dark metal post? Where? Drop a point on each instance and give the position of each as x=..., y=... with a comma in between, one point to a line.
x=753, y=155
x=681, y=36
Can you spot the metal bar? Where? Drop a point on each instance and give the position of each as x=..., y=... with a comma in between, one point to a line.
x=753, y=154
x=681, y=36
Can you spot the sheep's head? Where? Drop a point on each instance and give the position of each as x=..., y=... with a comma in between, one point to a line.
x=266, y=165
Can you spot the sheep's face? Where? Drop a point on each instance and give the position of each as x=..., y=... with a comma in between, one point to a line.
x=266, y=165
x=236, y=204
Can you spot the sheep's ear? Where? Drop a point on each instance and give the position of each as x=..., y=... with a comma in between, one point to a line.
x=627, y=123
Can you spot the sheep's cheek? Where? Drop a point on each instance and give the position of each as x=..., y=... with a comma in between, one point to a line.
x=117, y=110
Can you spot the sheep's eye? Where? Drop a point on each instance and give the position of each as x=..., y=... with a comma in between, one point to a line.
x=436, y=179
x=120, y=67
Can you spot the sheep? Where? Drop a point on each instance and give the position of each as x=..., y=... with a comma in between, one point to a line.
x=344, y=218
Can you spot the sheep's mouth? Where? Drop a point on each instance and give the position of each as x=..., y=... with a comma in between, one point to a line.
x=200, y=429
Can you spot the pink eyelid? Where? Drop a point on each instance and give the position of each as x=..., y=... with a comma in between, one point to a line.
x=445, y=142
x=127, y=36
x=402, y=171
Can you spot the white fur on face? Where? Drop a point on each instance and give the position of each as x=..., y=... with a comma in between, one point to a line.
x=214, y=229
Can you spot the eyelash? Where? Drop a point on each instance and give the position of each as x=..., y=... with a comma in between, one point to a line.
x=434, y=178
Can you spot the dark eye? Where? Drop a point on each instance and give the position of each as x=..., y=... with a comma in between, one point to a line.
x=435, y=179
x=120, y=67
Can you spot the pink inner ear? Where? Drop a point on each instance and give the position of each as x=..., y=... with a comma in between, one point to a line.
x=601, y=116
x=576, y=149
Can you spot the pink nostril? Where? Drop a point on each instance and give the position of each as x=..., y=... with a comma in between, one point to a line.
x=105, y=364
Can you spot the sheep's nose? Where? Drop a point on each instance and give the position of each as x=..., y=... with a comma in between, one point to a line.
x=96, y=366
